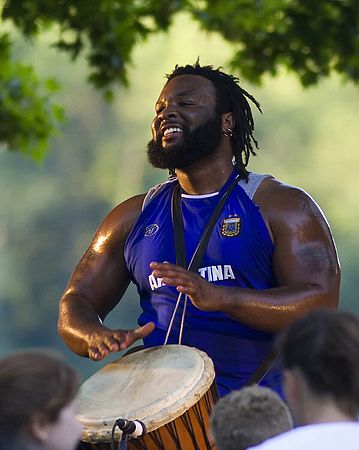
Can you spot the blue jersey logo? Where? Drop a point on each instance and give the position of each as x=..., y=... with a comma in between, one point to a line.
x=151, y=229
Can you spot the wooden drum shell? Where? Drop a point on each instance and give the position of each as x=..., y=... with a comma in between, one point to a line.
x=187, y=423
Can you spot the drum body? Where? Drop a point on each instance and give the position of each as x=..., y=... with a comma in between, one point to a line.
x=170, y=389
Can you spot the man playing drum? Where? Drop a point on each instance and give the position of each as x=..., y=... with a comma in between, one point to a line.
x=267, y=255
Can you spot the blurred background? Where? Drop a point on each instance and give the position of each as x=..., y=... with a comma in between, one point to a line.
x=50, y=210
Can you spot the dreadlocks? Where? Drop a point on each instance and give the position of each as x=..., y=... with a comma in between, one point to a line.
x=230, y=97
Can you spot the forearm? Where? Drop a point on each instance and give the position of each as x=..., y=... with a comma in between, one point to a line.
x=267, y=309
x=272, y=309
x=77, y=322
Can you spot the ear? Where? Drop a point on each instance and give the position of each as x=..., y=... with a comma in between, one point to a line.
x=39, y=428
x=228, y=121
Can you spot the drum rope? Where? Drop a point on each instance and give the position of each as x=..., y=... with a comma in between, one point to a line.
x=182, y=319
x=186, y=420
x=198, y=413
x=175, y=435
x=172, y=318
x=158, y=441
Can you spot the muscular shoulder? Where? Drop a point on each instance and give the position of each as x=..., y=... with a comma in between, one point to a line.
x=126, y=213
x=281, y=203
x=116, y=226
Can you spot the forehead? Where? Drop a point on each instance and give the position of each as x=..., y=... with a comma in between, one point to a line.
x=188, y=85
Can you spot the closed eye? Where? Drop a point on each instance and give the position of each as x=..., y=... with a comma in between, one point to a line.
x=186, y=103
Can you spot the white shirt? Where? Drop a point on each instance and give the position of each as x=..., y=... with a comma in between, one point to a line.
x=323, y=436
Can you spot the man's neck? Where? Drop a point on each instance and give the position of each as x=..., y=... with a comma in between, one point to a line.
x=204, y=178
x=323, y=411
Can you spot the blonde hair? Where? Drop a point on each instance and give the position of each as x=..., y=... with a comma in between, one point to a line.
x=247, y=417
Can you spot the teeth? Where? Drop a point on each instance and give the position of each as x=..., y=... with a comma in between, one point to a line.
x=172, y=130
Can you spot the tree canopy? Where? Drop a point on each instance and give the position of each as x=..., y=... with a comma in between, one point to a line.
x=311, y=39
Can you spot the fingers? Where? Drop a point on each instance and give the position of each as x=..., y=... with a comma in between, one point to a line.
x=102, y=344
x=166, y=267
x=188, y=290
x=201, y=292
x=97, y=353
x=172, y=274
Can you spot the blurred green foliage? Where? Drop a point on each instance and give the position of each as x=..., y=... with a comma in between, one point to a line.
x=311, y=39
x=105, y=31
x=308, y=137
x=27, y=115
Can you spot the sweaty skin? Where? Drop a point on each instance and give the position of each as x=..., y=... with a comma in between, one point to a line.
x=305, y=262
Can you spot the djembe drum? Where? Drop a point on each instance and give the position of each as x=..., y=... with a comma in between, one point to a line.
x=170, y=389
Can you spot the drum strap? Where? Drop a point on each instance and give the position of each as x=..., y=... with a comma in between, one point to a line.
x=264, y=367
x=180, y=243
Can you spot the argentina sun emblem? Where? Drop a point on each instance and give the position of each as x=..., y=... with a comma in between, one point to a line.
x=231, y=226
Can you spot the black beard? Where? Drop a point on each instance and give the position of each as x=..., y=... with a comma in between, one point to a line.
x=196, y=144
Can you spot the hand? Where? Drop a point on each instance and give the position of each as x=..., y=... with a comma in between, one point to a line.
x=102, y=343
x=202, y=294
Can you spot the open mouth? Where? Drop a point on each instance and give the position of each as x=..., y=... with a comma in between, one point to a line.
x=171, y=131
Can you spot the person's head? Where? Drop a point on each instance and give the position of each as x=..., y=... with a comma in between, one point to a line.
x=201, y=110
x=37, y=401
x=320, y=358
x=247, y=417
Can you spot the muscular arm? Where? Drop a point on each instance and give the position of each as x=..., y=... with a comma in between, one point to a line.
x=96, y=286
x=305, y=265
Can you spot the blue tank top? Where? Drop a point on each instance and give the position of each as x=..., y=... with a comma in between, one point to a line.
x=239, y=254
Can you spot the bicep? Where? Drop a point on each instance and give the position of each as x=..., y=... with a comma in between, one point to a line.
x=304, y=249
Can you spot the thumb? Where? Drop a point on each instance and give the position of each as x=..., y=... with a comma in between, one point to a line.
x=136, y=334
x=141, y=332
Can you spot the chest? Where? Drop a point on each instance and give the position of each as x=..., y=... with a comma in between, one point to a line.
x=239, y=243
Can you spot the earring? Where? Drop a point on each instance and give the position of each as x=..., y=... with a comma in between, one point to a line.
x=228, y=132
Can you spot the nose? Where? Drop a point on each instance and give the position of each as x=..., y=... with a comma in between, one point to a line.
x=169, y=111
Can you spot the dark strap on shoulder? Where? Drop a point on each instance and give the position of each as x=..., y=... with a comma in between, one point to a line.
x=178, y=227
x=263, y=369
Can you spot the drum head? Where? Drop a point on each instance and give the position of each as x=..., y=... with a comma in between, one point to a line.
x=155, y=385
